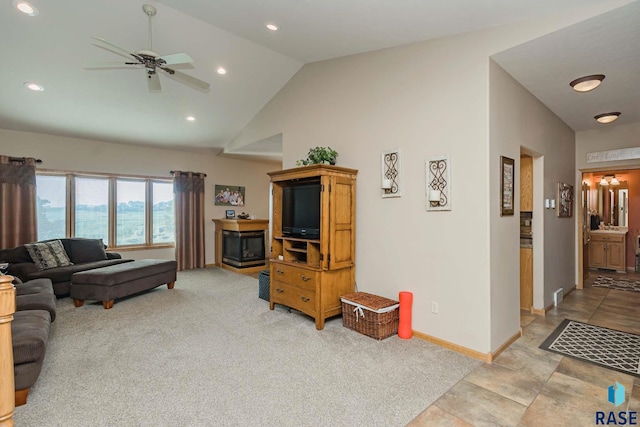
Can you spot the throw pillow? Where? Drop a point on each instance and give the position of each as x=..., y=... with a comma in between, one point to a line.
x=48, y=255
x=86, y=250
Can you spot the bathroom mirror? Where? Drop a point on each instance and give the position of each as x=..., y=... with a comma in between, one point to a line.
x=613, y=204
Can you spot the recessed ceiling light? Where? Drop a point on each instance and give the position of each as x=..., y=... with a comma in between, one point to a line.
x=607, y=117
x=25, y=7
x=272, y=27
x=221, y=70
x=587, y=83
x=190, y=118
x=34, y=86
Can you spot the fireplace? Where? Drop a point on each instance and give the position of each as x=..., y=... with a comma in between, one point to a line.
x=243, y=249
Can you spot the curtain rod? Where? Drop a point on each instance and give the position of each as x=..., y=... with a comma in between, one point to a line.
x=199, y=173
x=22, y=159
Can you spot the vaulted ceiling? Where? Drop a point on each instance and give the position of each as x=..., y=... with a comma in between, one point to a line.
x=54, y=48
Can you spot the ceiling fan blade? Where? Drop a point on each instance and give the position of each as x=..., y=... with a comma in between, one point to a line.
x=185, y=78
x=120, y=51
x=114, y=64
x=176, y=58
x=153, y=81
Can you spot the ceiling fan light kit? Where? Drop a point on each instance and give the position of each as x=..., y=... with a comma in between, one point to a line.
x=152, y=61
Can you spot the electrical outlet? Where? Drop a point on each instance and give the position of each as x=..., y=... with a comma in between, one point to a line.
x=434, y=307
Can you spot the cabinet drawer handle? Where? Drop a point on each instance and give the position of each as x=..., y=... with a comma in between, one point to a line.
x=279, y=290
x=305, y=278
x=279, y=271
x=305, y=299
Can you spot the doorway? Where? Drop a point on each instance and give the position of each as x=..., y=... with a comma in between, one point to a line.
x=608, y=202
x=526, y=232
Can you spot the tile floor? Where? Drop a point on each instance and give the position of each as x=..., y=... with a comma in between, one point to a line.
x=527, y=386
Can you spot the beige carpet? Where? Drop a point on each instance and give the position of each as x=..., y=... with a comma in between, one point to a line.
x=211, y=353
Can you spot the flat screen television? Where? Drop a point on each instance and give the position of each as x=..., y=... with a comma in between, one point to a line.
x=301, y=210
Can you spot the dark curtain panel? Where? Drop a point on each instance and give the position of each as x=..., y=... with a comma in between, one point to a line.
x=17, y=201
x=188, y=188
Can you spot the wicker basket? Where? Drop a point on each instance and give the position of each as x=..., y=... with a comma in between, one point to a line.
x=371, y=315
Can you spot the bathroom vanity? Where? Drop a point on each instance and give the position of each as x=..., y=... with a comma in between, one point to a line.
x=607, y=249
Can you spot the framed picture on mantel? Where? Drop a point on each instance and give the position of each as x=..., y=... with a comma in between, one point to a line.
x=507, y=167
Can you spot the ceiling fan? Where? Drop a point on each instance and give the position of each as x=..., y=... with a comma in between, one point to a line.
x=150, y=60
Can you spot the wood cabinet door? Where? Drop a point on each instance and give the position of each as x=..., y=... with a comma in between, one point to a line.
x=526, y=278
x=342, y=223
x=526, y=183
x=615, y=256
x=597, y=254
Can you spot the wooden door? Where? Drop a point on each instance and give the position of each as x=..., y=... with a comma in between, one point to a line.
x=597, y=254
x=526, y=183
x=342, y=223
x=586, y=231
x=615, y=256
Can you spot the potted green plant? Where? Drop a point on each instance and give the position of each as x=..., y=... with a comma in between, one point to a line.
x=319, y=155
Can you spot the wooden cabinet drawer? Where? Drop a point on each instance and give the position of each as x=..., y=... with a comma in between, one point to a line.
x=293, y=296
x=296, y=276
x=607, y=237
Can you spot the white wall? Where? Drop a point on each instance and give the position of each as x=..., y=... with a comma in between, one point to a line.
x=59, y=153
x=607, y=138
x=428, y=99
x=518, y=120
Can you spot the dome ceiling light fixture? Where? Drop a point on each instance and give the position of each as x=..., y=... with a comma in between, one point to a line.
x=606, y=118
x=34, y=86
x=587, y=83
x=25, y=7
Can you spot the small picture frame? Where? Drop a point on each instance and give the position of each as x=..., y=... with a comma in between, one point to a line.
x=230, y=213
x=507, y=172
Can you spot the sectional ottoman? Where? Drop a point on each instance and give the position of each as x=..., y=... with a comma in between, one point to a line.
x=106, y=284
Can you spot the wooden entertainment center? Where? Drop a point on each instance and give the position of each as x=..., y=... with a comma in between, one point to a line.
x=310, y=275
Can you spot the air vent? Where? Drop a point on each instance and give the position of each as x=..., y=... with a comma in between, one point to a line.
x=558, y=297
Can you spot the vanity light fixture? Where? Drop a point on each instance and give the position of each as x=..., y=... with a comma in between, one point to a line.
x=25, y=7
x=34, y=86
x=609, y=180
x=587, y=83
x=605, y=118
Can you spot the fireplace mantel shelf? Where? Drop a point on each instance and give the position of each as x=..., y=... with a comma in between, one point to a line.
x=240, y=225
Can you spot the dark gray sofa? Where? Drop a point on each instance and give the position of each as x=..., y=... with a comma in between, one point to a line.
x=35, y=310
x=85, y=254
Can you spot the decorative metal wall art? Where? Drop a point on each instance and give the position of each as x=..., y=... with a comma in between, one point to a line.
x=565, y=200
x=438, y=188
x=391, y=185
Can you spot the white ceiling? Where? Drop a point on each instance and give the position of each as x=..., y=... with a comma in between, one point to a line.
x=115, y=104
x=608, y=44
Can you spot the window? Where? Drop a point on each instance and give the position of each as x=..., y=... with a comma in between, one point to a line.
x=130, y=215
x=122, y=211
x=51, y=206
x=91, y=210
x=163, y=213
